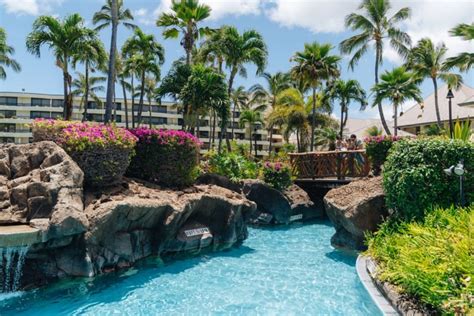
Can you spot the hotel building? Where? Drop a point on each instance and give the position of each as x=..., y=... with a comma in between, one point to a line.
x=19, y=109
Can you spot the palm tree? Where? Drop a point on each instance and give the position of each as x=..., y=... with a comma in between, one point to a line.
x=151, y=93
x=86, y=86
x=251, y=117
x=373, y=131
x=206, y=89
x=375, y=26
x=112, y=13
x=464, y=61
x=274, y=85
x=148, y=55
x=211, y=51
x=186, y=16
x=65, y=38
x=346, y=92
x=92, y=54
x=397, y=86
x=313, y=65
x=239, y=99
x=326, y=137
x=5, y=56
x=240, y=50
x=427, y=61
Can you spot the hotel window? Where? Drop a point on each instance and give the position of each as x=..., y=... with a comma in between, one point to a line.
x=8, y=101
x=204, y=134
x=40, y=102
x=95, y=117
x=159, y=109
x=93, y=105
x=7, y=140
x=39, y=114
x=57, y=103
x=7, y=114
x=11, y=128
x=154, y=120
x=118, y=118
x=119, y=106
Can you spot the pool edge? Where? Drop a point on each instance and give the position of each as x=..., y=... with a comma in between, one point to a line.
x=379, y=299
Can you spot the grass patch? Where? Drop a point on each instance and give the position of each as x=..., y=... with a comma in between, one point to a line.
x=431, y=260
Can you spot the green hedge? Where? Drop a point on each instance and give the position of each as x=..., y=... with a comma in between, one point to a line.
x=166, y=157
x=414, y=179
x=431, y=260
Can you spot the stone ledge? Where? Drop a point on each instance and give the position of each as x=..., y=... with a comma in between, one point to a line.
x=363, y=267
x=19, y=235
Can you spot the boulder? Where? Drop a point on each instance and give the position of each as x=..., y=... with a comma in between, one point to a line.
x=140, y=220
x=40, y=181
x=354, y=209
x=275, y=207
x=219, y=180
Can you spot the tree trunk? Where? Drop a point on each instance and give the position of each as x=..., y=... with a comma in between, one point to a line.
x=149, y=113
x=395, y=120
x=255, y=143
x=270, y=139
x=379, y=105
x=438, y=116
x=111, y=72
x=86, y=96
x=298, y=141
x=342, y=121
x=125, y=102
x=214, y=122
x=250, y=139
x=114, y=118
x=229, y=91
x=66, y=91
x=313, y=119
x=140, y=105
x=133, y=101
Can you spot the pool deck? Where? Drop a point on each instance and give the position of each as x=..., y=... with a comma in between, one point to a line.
x=362, y=267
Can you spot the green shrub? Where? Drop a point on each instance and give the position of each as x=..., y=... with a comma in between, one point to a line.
x=414, y=179
x=167, y=157
x=377, y=148
x=277, y=175
x=103, y=152
x=432, y=261
x=232, y=165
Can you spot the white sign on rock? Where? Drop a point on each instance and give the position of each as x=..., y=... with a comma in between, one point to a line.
x=197, y=231
x=296, y=217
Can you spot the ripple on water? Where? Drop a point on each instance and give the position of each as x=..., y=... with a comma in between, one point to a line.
x=290, y=271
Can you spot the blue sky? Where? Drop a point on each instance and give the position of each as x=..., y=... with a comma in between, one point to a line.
x=285, y=24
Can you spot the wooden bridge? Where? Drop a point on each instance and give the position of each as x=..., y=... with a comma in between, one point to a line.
x=331, y=167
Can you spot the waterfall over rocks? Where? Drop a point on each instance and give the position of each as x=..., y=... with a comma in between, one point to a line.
x=11, y=267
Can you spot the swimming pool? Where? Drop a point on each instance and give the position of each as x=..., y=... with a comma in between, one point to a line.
x=286, y=271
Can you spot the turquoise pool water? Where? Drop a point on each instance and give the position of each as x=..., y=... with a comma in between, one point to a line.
x=282, y=271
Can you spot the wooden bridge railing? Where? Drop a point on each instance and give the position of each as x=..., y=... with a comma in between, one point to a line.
x=330, y=164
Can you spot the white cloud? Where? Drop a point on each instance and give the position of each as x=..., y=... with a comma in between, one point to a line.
x=430, y=18
x=30, y=7
x=220, y=9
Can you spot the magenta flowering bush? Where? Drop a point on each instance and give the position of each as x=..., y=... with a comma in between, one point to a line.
x=103, y=152
x=167, y=157
x=277, y=175
x=377, y=149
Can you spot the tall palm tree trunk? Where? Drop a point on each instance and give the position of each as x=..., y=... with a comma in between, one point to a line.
x=395, y=120
x=313, y=119
x=125, y=102
x=379, y=105
x=438, y=116
x=114, y=118
x=342, y=121
x=65, y=82
x=229, y=92
x=270, y=136
x=133, y=101
x=149, y=112
x=140, y=105
x=86, y=95
x=111, y=72
x=214, y=122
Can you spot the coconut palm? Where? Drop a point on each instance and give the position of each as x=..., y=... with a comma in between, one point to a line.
x=185, y=19
x=326, y=137
x=239, y=99
x=112, y=13
x=65, y=38
x=373, y=131
x=240, y=50
x=376, y=26
x=211, y=51
x=251, y=117
x=347, y=92
x=313, y=65
x=464, y=61
x=92, y=54
x=267, y=95
x=428, y=61
x=397, y=86
x=148, y=55
x=151, y=93
x=87, y=86
x=5, y=56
